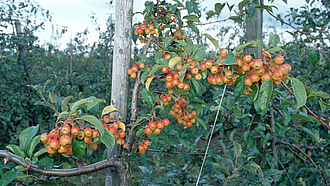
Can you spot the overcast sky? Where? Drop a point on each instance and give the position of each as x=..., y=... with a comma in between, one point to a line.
x=75, y=14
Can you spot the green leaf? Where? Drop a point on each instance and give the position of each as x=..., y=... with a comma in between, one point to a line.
x=16, y=150
x=62, y=114
x=238, y=149
x=153, y=137
x=236, y=19
x=168, y=41
x=108, y=109
x=8, y=177
x=194, y=28
x=52, y=96
x=155, y=69
x=302, y=117
x=239, y=86
x=33, y=143
x=320, y=94
x=324, y=106
x=139, y=133
x=40, y=152
x=184, y=142
x=108, y=139
x=299, y=91
x=229, y=59
x=257, y=167
x=182, y=72
x=36, y=88
x=26, y=136
x=251, y=11
x=265, y=93
x=93, y=101
x=218, y=7
x=274, y=39
x=65, y=102
x=200, y=121
x=192, y=18
x=148, y=97
x=214, y=41
x=45, y=104
x=46, y=84
x=94, y=121
x=242, y=4
x=275, y=49
x=196, y=87
x=78, y=104
x=79, y=148
x=314, y=57
x=311, y=134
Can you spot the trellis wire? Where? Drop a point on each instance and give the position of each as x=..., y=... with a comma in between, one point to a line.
x=208, y=144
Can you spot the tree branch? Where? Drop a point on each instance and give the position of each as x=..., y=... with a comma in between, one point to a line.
x=10, y=157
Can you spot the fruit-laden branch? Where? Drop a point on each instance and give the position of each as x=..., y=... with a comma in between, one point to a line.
x=10, y=157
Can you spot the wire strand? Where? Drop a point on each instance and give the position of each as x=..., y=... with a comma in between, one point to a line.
x=208, y=144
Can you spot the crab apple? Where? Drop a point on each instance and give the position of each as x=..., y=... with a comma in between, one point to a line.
x=246, y=92
x=147, y=131
x=175, y=82
x=179, y=101
x=146, y=142
x=277, y=82
x=142, y=151
x=54, y=144
x=167, y=56
x=112, y=116
x=121, y=141
x=139, y=31
x=157, y=131
x=277, y=75
x=44, y=138
x=152, y=125
x=181, y=85
x=134, y=68
x=248, y=81
x=226, y=80
x=122, y=134
x=81, y=135
x=188, y=75
x=185, y=118
x=189, y=124
x=170, y=91
x=164, y=69
x=133, y=75
x=214, y=69
x=69, y=121
x=258, y=64
x=239, y=62
x=168, y=84
x=116, y=125
x=112, y=129
x=247, y=58
x=95, y=134
x=229, y=74
x=186, y=87
x=208, y=64
x=142, y=65
x=129, y=71
x=246, y=67
x=261, y=71
x=289, y=67
x=88, y=132
x=193, y=120
x=176, y=75
x=93, y=146
x=50, y=150
x=143, y=26
x=194, y=70
x=54, y=134
x=116, y=136
x=166, y=122
x=218, y=80
x=160, y=125
x=65, y=140
x=169, y=98
x=284, y=68
x=151, y=27
x=209, y=79
x=147, y=31
x=179, y=67
x=61, y=150
x=141, y=147
x=69, y=150
x=266, y=76
x=278, y=60
x=223, y=52
x=198, y=76
x=106, y=119
x=169, y=77
x=254, y=78
x=104, y=126
x=203, y=66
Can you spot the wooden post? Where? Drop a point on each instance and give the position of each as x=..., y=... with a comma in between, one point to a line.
x=119, y=86
x=254, y=30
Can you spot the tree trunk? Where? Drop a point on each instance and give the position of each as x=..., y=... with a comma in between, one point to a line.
x=119, y=86
x=254, y=30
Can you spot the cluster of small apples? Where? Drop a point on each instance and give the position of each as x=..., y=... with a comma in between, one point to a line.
x=114, y=127
x=134, y=68
x=60, y=140
x=172, y=79
x=181, y=114
x=143, y=146
x=142, y=30
x=178, y=35
x=166, y=98
x=156, y=127
x=262, y=70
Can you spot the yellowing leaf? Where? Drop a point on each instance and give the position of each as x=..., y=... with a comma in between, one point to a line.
x=122, y=126
x=108, y=109
x=148, y=81
x=173, y=62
